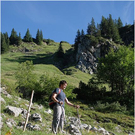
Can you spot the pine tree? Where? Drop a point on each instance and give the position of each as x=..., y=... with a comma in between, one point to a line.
x=82, y=35
x=113, y=32
x=110, y=27
x=6, y=38
x=77, y=40
x=120, y=24
x=38, y=38
x=98, y=31
x=13, y=37
x=41, y=35
x=60, y=52
x=4, y=46
x=19, y=40
x=116, y=36
x=91, y=30
x=27, y=37
x=104, y=26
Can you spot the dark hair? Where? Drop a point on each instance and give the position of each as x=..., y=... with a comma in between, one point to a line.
x=62, y=82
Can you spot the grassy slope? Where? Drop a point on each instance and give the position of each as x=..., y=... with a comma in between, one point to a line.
x=39, y=55
x=43, y=58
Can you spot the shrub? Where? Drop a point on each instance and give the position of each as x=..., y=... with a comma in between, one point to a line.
x=113, y=107
x=26, y=79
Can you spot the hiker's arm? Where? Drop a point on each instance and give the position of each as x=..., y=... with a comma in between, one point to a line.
x=54, y=98
x=69, y=103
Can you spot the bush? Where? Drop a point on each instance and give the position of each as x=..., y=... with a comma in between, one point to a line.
x=113, y=107
x=90, y=92
x=46, y=85
x=26, y=79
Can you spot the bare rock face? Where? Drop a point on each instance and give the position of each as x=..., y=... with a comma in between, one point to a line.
x=88, y=54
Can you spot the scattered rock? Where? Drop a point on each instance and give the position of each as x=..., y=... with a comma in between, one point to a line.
x=103, y=131
x=2, y=100
x=10, y=123
x=33, y=127
x=4, y=92
x=74, y=130
x=36, y=117
x=13, y=110
x=48, y=111
x=1, y=123
x=118, y=129
x=24, y=113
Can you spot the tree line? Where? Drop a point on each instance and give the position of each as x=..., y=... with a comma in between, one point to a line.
x=108, y=28
x=17, y=40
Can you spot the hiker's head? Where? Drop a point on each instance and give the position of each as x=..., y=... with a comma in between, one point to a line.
x=63, y=84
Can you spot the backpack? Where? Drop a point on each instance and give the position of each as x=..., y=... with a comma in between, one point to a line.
x=51, y=102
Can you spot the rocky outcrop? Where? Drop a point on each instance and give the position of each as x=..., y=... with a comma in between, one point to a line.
x=89, y=52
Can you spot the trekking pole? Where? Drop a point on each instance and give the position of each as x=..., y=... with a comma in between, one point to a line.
x=79, y=120
x=28, y=113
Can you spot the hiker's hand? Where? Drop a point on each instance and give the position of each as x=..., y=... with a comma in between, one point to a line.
x=60, y=102
x=76, y=106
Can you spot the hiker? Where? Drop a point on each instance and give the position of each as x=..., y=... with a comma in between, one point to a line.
x=59, y=98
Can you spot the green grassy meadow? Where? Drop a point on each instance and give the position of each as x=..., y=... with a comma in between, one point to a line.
x=44, y=61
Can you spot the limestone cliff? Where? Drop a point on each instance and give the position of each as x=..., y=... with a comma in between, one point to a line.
x=89, y=50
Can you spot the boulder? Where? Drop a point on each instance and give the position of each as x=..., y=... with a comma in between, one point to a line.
x=74, y=130
x=24, y=113
x=10, y=123
x=48, y=111
x=36, y=117
x=33, y=127
x=75, y=121
x=103, y=131
x=13, y=110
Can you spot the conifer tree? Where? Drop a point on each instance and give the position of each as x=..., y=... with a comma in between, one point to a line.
x=82, y=33
x=77, y=40
x=104, y=26
x=41, y=35
x=120, y=24
x=60, y=52
x=116, y=36
x=113, y=30
x=13, y=37
x=110, y=27
x=98, y=31
x=27, y=37
x=6, y=38
x=38, y=38
x=19, y=41
x=4, y=45
x=91, y=30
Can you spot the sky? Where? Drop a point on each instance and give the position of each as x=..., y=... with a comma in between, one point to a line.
x=60, y=20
